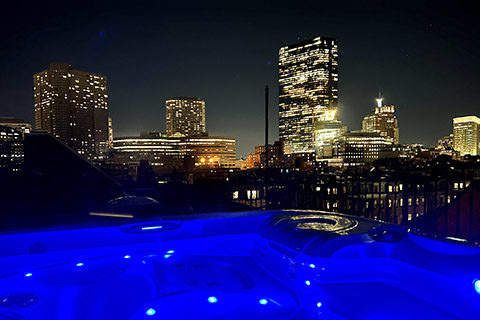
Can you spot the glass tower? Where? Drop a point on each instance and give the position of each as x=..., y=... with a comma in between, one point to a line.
x=308, y=81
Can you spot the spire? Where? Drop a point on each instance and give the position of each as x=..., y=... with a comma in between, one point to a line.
x=379, y=99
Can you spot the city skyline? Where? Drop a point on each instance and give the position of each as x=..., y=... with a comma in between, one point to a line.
x=373, y=55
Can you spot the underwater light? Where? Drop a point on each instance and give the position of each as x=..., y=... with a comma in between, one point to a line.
x=307, y=282
x=150, y=312
x=127, y=256
x=171, y=251
x=319, y=304
x=152, y=228
x=263, y=301
x=212, y=299
x=476, y=285
x=80, y=264
x=28, y=274
x=167, y=256
x=311, y=265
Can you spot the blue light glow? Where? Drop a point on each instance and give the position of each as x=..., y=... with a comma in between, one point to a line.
x=476, y=285
x=151, y=312
x=152, y=228
x=232, y=266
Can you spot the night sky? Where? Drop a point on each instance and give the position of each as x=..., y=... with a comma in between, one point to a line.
x=422, y=55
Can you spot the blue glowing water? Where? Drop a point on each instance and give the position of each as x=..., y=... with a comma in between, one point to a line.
x=266, y=265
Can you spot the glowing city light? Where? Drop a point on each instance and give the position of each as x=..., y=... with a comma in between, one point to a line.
x=212, y=299
x=263, y=301
x=28, y=274
x=151, y=312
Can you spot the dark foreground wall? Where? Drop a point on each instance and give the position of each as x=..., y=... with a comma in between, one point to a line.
x=460, y=219
x=56, y=186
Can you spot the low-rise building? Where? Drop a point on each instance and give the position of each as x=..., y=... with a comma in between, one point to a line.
x=175, y=153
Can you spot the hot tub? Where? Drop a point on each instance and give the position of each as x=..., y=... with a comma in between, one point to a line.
x=260, y=265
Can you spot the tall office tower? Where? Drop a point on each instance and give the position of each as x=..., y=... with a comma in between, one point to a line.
x=72, y=105
x=308, y=80
x=382, y=120
x=466, y=137
x=185, y=117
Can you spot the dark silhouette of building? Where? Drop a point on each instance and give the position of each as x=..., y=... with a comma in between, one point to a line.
x=56, y=186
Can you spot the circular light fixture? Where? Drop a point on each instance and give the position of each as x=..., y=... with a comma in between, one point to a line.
x=476, y=285
x=150, y=312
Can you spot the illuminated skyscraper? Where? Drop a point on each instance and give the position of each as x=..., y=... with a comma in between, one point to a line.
x=72, y=105
x=383, y=120
x=308, y=80
x=185, y=117
x=466, y=137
